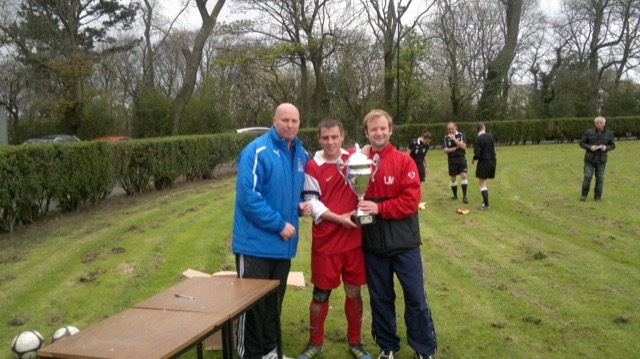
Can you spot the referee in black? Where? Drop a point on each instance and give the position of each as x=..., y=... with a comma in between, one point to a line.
x=484, y=152
x=418, y=149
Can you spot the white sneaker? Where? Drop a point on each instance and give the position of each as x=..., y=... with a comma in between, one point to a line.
x=274, y=355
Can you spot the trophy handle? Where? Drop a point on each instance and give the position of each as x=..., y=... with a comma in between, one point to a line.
x=340, y=166
x=376, y=165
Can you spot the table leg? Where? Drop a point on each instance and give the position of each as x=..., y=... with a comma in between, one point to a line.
x=227, y=340
x=199, y=350
x=278, y=327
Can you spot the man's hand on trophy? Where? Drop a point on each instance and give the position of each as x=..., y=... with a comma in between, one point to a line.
x=368, y=207
x=346, y=220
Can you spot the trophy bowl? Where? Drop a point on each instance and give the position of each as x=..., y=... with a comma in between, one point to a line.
x=357, y=171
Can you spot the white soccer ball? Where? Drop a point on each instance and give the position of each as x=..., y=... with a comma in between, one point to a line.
x=26, y=344
x=64, y=332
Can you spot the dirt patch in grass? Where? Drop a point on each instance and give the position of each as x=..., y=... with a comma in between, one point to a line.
x=89, y=277
x=17, y=321
x=117, y=250
x=90, y=257
x=125, y=268
x=57, y=320
x=7, y=278
x=12, y=259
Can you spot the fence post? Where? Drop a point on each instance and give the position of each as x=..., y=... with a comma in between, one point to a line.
x=4, y=135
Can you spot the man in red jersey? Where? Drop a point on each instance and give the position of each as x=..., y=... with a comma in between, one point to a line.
x=392, y=244
x=336, y=250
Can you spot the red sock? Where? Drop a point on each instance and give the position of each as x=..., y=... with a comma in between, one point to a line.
x=353, y=311
x=317, y=315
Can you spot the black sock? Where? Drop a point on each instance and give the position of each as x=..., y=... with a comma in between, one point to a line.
x=464, y=190
x=454, y=189
x=485, y=197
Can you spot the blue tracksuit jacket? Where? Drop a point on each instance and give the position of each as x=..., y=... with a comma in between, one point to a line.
x=268, y=190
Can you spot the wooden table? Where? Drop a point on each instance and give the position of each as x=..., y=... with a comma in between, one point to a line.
x=166, y=326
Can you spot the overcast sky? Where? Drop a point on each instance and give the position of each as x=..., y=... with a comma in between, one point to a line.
x=192, y=19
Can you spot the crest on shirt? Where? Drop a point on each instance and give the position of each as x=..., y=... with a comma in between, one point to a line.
x=300, y=166
x=411, y=175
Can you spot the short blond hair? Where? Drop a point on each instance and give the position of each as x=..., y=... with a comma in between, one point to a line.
x=373, y=114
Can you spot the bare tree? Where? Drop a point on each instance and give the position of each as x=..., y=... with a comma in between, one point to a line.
x=595, y=29
x=156, y=30
x=384, y=19
x=193, y=58
x=492, y=104
x=356, y=73
x=308, y=30
x=629, y=47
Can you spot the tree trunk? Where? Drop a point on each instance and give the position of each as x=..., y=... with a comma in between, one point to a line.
x=193, y=59
x=594, y=82
x=492, y=103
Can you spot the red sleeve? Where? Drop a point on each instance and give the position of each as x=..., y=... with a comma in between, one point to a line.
x=405, y=203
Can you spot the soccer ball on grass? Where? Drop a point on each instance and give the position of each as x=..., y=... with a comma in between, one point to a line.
x=26, y=344
x=64, y=332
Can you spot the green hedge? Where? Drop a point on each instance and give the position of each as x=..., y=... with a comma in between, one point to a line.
x=520, y=132
x=70, y=175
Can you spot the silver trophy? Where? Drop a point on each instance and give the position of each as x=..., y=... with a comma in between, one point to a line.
x=356, y=172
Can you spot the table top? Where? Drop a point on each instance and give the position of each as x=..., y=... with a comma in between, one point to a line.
x=136, y=333
x=164, y=325
x=212, y=294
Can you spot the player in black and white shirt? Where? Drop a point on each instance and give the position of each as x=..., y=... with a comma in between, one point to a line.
x=454, y=146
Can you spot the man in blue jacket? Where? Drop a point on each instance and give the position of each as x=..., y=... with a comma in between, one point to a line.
x=265, y=224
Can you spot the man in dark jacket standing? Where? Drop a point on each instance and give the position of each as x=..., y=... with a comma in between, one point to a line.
x=597, y=142
x=392, y=244
x=485, y=153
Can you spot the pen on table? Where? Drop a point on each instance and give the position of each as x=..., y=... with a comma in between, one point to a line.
x=185, y=296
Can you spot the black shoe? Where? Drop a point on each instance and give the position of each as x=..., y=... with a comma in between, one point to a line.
x=483, y=207
x=454, y=198
x=583, y=198
x=465, y=200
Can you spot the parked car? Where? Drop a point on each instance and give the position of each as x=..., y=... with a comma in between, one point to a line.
x=113, y=138
x=252, y=129
x=52, y=138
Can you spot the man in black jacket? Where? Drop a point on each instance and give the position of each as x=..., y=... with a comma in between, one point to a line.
x=484, y=152
x=597, y=142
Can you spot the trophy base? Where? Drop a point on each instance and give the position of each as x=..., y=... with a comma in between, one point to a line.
x=363, y=219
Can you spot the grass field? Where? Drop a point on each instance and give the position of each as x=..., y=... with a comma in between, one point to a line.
x=540, y=275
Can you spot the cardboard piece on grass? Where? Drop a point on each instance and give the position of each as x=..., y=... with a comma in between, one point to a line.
x=214, y=342
x=295, y=279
